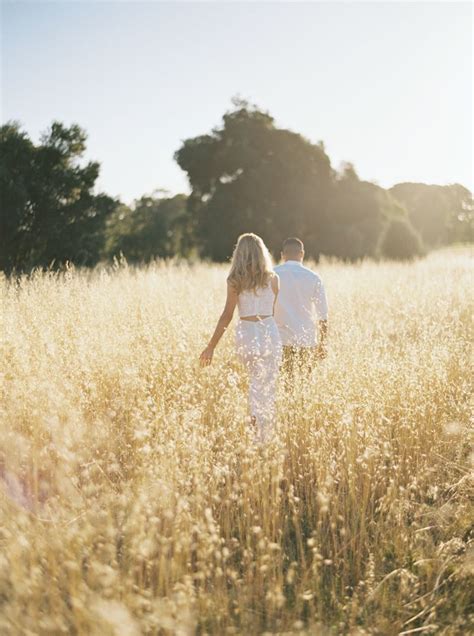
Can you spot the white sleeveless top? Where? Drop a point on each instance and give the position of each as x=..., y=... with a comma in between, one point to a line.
x=256, y=303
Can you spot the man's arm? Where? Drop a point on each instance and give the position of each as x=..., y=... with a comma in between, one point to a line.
x=321, y=306
x=323, y=330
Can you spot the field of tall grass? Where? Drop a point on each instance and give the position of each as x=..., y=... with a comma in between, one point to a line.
x=133, y=500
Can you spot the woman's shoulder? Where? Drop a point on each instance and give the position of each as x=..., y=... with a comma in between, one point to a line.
x=274, y=282
x=274, y=276
x=232, y=286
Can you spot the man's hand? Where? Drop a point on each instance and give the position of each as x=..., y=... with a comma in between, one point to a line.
x=205, y=358
x=321, y=352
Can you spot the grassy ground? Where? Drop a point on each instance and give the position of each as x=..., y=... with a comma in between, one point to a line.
x=134, y=502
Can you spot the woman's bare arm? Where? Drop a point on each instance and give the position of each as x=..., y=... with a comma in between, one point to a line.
x=222, y=324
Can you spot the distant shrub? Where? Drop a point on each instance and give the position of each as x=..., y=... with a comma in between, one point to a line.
x=400, y=241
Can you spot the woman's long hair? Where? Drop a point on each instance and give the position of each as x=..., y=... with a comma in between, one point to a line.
x=251, y=265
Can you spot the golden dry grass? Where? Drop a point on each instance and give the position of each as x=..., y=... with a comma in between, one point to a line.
x=133, y=501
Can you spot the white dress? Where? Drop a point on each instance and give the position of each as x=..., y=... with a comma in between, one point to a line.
x=259, y=347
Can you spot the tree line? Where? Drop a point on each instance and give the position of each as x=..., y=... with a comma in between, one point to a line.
x=246, y=175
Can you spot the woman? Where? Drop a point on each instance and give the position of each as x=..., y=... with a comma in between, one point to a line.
x=253, y=286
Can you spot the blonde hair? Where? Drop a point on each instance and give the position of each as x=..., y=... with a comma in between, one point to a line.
x=251, y=265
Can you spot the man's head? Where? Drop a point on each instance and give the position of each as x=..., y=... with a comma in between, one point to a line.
x=292, y=250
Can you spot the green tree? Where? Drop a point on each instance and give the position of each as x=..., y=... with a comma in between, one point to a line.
x=49, y=213
x=155, y=226
x=250, y=175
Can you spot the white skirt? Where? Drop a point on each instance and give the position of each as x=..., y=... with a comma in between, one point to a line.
x=259, y=347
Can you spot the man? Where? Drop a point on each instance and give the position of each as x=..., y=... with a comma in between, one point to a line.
x=301, y=310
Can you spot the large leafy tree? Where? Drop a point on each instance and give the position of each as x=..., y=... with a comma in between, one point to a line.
x=49, y=212
x=250, y=175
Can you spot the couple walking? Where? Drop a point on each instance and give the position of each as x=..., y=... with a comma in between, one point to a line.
x=280, y=312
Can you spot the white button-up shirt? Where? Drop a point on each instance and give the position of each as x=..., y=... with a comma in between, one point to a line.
x=301, y=301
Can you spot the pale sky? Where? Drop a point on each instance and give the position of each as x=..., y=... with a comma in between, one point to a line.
x=387, y=86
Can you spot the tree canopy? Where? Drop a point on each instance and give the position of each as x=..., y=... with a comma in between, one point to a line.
x=245, y=175
x=49, y=211
x=250, y=175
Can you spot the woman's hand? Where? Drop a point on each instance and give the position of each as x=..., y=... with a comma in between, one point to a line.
x=206, y=356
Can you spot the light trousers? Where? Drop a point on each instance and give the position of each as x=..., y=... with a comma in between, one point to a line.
x=259, y=347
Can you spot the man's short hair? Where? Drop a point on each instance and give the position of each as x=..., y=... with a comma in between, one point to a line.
x=292, y=244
